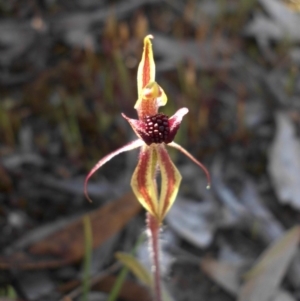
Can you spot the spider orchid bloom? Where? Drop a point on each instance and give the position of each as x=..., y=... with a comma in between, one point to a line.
x=155, y=131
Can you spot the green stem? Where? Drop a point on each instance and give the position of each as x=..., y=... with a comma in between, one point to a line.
x=153, y=230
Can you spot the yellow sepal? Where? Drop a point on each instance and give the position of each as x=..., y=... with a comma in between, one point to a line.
x=146, y=70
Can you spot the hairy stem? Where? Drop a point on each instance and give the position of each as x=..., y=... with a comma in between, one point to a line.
x=153, y=232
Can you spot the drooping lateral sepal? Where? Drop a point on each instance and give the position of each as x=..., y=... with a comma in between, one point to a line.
x=143, y=180
x=185, y=152
x=170, y=181
x=174, y=123
x=129, y=146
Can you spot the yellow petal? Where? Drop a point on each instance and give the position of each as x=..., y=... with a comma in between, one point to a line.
x=162, y=98
x=170, y=181
x=151, y=90
x=146, y=70
x=143, y=179
x=154, y=91
x=152, y=97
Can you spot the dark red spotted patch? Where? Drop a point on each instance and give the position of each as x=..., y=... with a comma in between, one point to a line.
x=157, y=128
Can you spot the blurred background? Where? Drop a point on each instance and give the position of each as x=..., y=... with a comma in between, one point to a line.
x=67, y=71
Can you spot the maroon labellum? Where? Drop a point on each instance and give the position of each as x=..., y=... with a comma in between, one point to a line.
x=157, y=128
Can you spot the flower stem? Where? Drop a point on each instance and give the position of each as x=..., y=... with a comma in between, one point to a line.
x=153, y=232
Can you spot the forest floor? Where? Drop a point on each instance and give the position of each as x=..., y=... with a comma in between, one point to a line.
x=68, y=70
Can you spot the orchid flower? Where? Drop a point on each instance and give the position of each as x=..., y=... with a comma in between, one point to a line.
x=155, y=131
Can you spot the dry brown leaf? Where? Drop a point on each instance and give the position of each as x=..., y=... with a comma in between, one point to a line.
x=193, y=221
x=226, y=275
x=283, y=296
x=284, y=162
x=5, y=180
x=263, y=279
x=130, y=291
x=67, y=245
